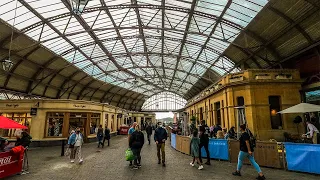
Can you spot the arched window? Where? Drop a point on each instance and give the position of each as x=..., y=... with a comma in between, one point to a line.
x=165, y=101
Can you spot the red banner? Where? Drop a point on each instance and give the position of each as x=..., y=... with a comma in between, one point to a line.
x=9, y=164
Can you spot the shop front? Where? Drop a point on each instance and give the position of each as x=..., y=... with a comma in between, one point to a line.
x=55, y=119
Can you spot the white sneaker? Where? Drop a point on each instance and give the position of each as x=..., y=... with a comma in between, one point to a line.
x=200, y=167
x=72, y=161
x=191, y=164
x=80, y=161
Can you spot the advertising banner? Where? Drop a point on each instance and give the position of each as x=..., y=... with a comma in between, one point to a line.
x=173, y=140
x=218, y=149
x=124, y=130
x=303, y=157
x=9, y=164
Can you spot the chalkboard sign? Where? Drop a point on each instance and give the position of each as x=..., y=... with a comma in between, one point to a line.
x=33, y=111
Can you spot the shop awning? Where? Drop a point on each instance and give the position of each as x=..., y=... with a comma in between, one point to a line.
x=6, y=123
x=302, y=108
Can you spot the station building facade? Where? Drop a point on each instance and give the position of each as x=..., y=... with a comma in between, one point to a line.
x=52, y=120
x=262, y=94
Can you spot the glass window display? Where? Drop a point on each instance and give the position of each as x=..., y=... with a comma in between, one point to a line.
x=54, y=124
x=95, y=122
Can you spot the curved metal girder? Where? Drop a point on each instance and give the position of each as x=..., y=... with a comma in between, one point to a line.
x=289, y=20
x=193, y=5
x=117, y=28
x=218, y=21
x=123, y=97
x=117, y=31
x=173, y=8
x=64, y=83
x=161, y=100
x=141, y=32
x=26, y=5
x=267, y=43
x=85, y=87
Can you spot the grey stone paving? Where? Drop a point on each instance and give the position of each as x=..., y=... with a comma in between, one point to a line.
x=46, y=164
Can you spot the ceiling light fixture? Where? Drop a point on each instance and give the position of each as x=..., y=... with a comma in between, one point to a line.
x=7, y=64
x=78, y=6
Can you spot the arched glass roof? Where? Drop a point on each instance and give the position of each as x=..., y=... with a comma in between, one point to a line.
x=164, y=101
x=147, y=46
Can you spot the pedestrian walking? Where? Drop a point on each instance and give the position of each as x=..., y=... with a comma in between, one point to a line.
x=136, y=143
x=204, y=141
x=75, y=143
x=106, y=136
x=130, y=131
x=160, y=137
x=246, y=151
x=100, y=136
x=149, y=131
x=195, y=141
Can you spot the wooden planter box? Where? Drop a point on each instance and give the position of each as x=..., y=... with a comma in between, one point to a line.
x=178, y=142
x=266, y=154
x=185, y=145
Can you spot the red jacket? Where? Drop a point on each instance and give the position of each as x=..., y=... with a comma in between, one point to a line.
x=19, y=150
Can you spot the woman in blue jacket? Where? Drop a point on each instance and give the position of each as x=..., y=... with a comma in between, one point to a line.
x=75, y=142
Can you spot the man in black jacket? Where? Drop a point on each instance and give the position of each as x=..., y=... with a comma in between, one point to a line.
x=106, y=136
x=160, y=137
x=149, y=131
x=204, y=140
x=24, y=140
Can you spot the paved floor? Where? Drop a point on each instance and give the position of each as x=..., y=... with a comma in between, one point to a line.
x=46, y=164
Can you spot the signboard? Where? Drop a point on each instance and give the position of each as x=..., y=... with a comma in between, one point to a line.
x=33, y=111
x=173, y=140
x=9, y=164
x=218, y=149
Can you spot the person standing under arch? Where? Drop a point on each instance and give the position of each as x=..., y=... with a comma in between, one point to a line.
x=160, y=137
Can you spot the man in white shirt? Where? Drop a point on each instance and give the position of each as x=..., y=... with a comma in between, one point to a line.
x=313, y=132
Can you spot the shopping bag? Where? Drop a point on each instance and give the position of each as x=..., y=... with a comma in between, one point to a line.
x=129, y=155
x=68, y=152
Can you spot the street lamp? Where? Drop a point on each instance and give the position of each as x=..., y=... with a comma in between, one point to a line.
x=78, y=6
x=6, y=64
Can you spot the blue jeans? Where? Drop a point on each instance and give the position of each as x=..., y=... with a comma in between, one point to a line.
x=241, y=157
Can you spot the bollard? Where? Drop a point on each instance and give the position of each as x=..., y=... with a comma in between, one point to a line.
x=62, y=148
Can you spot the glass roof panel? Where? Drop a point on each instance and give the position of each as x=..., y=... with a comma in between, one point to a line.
x=119, y=34
x=23, y=17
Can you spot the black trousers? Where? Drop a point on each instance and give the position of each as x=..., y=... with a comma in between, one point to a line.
x=206, y=147
x=104, y=139
x=148, y=136
x=137, y=156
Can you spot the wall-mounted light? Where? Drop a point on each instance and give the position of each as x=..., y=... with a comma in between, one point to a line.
x=274, y=112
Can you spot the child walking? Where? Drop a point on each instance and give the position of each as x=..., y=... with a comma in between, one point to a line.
x=195, y=141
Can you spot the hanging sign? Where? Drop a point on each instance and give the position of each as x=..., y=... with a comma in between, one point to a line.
x=33, y=111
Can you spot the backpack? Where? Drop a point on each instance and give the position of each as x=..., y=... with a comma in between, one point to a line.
x=252, y=139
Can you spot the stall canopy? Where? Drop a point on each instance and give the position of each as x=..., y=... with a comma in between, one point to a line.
x=302, y=108
x=6, y=123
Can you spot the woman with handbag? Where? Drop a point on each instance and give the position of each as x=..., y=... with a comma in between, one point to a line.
x=75, y=142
